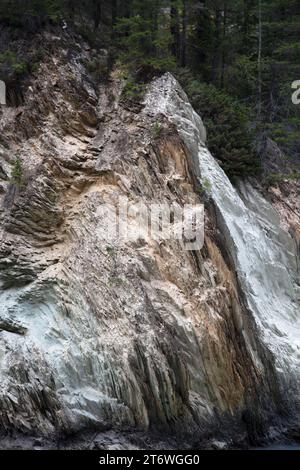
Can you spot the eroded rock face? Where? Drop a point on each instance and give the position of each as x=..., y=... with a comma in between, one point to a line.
x=285, y=198
x=118, y=333
x=263, y=243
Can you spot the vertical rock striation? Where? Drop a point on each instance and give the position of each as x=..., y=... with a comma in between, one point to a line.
x=133, y=333
x=264, y=255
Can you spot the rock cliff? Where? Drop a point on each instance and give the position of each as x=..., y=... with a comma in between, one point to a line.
x=134, y=334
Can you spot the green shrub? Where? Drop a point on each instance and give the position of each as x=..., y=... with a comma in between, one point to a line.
x=133, y=91
x=17, y=178
x=109, y=250
x=274, y=178
x=11, y=65
x=157, y=128
x=87, y=33
x=205, y=187
x=98, y=68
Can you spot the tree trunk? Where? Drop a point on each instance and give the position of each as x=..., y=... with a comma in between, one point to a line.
x=217, y=47
x=224, y=44
x=184, y=33
x=114, y=12
x=246, y=18
x=97, y=12
x=175, y=31
x=259, y=60
x=125, y=8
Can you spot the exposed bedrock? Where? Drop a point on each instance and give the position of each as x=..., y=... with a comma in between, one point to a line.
x=139, y=334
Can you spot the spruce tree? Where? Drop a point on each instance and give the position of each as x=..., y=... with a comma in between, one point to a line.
x=144, y=38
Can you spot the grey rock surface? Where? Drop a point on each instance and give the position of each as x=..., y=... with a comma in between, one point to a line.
x=126, y=334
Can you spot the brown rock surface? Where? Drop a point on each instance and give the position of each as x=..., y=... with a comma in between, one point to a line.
x=139, y=333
